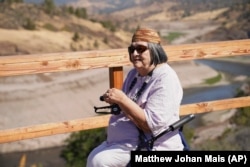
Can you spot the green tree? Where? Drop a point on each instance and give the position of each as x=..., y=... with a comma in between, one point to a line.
x=105, y=40
x=29, y=24
x=80, y=144
x=109, y=25
x=49, y=6
x=242, y=117
x=71, y=10
x=81, y=13
x=76, y=37
x=96, y=44
x=243, y=114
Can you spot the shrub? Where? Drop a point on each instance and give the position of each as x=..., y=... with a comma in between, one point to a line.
x=50, y=27
x=105, y=40
x=80, y=144
x=243, y=114
x=96, y=44
x=242, y=117
x=76, y=37
x=108, y=25
x=29, y=24
x=49, y=6
x=81, y=13
x=188, y=132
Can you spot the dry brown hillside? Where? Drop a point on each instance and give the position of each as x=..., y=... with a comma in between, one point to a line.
x=235, y=24
x=63, y=32
x=60, y=32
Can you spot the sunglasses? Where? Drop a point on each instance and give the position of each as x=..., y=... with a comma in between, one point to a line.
x=139, y=49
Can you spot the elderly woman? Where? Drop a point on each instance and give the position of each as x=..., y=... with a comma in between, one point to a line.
x=149, y=103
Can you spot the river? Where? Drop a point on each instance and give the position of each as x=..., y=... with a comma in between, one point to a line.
x=231, y=70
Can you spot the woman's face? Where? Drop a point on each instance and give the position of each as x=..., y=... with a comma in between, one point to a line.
x=140, y=57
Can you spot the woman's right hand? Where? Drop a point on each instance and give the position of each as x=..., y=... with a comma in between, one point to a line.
x=114, y=95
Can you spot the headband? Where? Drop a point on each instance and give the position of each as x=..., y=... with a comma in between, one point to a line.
x=146, y=35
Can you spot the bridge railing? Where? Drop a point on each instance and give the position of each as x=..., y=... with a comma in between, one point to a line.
x=115, y=60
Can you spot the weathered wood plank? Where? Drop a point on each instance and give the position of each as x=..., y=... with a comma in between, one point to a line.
x=208, y=50
x=217, y=105
x=56, y=62
x=102, y=121
x=52, y=128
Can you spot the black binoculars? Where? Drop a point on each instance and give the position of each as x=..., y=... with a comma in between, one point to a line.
x=115, y=109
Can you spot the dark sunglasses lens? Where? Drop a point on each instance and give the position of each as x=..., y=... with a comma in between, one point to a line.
x=139, y=48
x=131, y=49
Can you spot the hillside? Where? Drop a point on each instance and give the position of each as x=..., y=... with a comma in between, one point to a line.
x=237, y=28
x=62, y=31
x=198, y=20
x=53, y=32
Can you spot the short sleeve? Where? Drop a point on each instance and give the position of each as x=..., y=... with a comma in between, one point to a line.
x=163, y=103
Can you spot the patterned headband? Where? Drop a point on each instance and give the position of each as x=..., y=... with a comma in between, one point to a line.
x=146, y=35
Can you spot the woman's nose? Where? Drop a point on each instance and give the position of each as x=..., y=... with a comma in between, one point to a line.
x=135, y=52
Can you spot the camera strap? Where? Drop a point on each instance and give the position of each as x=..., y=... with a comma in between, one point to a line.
x=136, y=96
x=144, y=143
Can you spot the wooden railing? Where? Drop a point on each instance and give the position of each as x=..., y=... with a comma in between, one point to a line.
x=114, y=60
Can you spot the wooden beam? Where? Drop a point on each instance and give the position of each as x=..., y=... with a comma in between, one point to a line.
x=22, y=133
x=116, y=77
x=56, y=62
x=217, y=105
x=208, y=50
x=53, y=128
